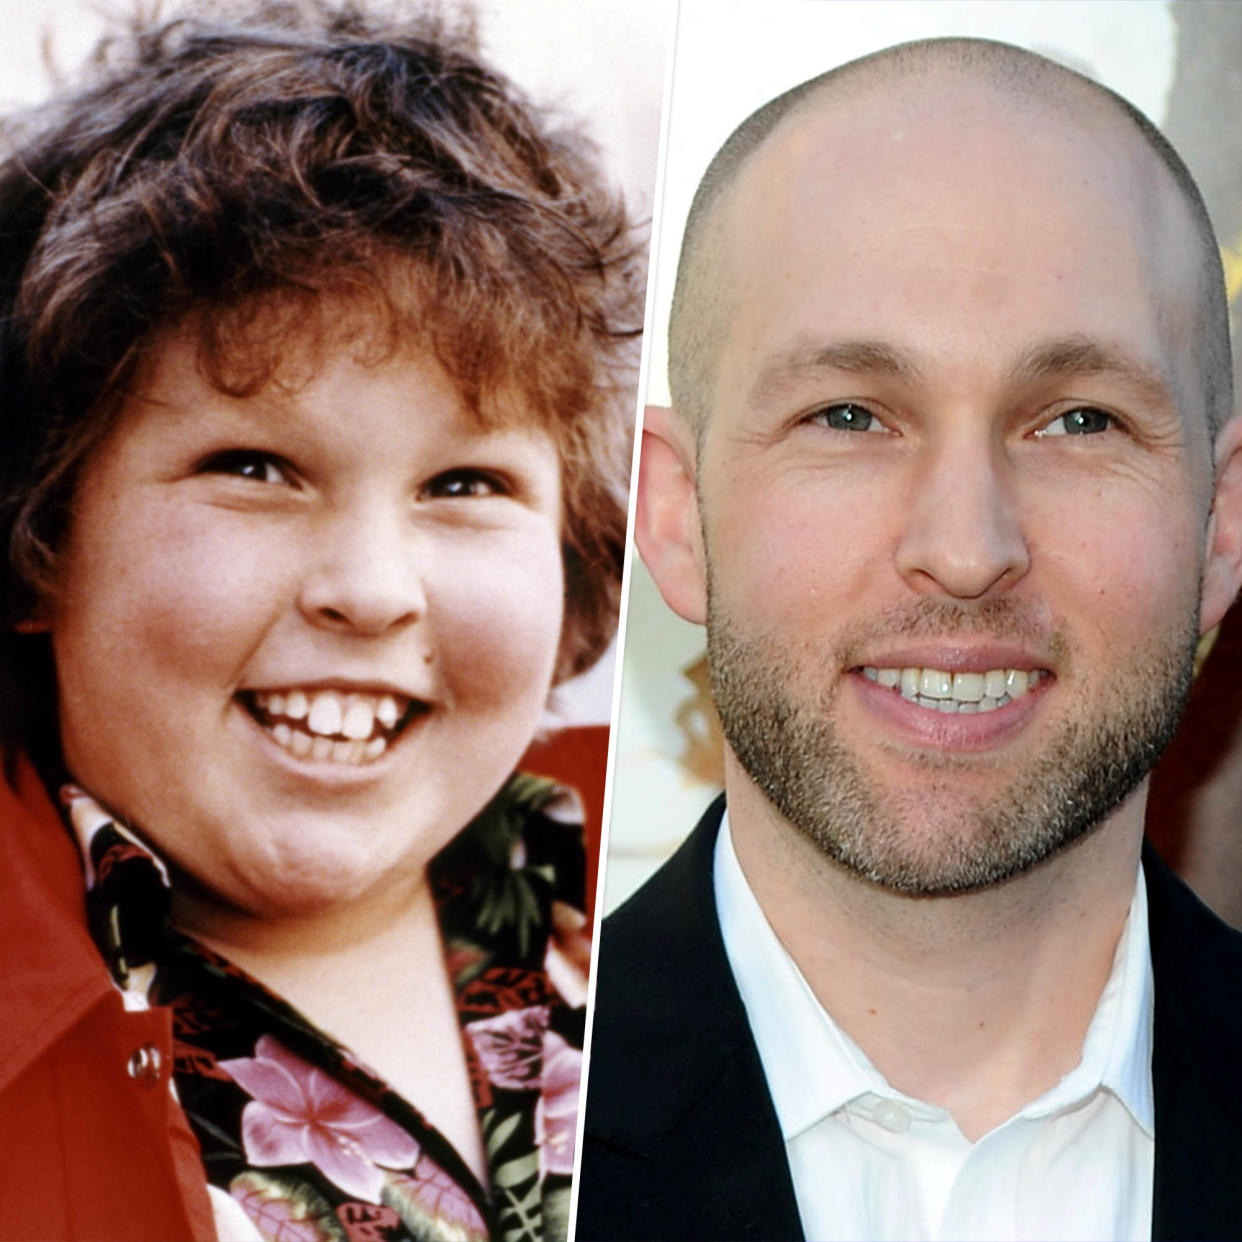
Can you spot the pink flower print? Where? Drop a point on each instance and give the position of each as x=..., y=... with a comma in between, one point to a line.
x=510, y=1046
x=301, y=1115
x=556, y=1114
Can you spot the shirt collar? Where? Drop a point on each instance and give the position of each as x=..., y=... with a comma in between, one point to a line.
x=813, y=1068
x=1117, y=1050
x=128, y=894
x=50, y=977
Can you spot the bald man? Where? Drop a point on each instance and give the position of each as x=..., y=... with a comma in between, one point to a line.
x=952, y=482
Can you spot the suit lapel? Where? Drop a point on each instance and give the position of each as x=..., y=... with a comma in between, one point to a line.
x=672, y=1034
x=1196, y=1063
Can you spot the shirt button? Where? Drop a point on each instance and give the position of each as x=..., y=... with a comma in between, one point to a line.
x=892, y=1116
x=144, y=1065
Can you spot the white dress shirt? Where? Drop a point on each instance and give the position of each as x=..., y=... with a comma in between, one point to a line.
x=871, y=1163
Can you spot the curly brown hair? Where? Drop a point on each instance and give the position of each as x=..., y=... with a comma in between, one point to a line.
x=250, y=172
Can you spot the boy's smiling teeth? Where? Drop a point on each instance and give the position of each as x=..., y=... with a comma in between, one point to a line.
x=328, y=724
x=956, y=693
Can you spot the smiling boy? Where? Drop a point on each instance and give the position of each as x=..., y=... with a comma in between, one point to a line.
x=317, y=344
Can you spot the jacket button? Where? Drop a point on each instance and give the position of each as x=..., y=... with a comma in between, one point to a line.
x=144, y=1065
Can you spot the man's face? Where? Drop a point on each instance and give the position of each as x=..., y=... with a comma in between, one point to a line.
x=954, y=488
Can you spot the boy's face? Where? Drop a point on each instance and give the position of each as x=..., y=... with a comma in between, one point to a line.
x=301, y=638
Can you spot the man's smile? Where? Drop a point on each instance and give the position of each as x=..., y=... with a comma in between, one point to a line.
x=957, y=692
x=961, y=700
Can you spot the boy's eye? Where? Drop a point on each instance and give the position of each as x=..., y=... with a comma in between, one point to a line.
x=1086, y=420
x=246, y=464
x=464, y=484
x=847, y=416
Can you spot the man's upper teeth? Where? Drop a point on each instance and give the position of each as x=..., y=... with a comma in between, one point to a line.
x=328, y=713
x=948, y=691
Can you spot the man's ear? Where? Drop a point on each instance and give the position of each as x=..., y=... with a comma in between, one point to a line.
x=666, y=517
x=1222, y=570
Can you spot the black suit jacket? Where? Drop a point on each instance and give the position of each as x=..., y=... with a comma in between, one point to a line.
x=681, y=1138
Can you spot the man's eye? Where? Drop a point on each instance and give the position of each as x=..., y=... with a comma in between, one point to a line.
x=465, y=484
x=1083, y=421
x=246, y=464
x=848, y=416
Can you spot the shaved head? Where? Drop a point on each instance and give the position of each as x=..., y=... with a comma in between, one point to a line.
x=916, y=77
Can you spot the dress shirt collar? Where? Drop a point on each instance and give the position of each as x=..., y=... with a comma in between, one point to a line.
x=813, y=1068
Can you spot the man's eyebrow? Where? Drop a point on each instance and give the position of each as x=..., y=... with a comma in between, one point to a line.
x=1061, y=358
x=1083, y=356
x=802, y=362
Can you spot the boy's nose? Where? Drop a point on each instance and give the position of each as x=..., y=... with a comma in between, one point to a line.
x=365, y=577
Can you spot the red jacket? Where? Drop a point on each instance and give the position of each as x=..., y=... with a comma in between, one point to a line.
x=92, y=1144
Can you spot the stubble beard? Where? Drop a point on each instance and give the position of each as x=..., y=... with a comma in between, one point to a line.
x=929, y=840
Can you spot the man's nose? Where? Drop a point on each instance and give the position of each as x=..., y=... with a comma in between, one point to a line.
x=365, y=575
x=963, y=533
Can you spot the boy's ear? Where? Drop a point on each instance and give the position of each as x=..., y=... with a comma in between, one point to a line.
x=666, y=517
x=1222, y=567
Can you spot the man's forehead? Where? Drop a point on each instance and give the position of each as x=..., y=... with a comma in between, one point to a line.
x=923, y=129
x=896, y=183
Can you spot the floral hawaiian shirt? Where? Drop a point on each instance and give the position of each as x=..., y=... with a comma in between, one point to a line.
x=300, y=1141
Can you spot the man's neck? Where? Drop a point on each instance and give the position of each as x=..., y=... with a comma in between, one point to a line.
x=977, y=1003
